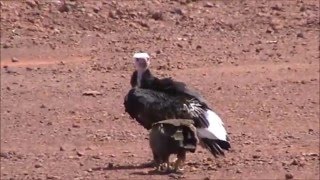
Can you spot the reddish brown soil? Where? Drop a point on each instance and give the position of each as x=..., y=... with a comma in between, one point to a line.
x=255, y=61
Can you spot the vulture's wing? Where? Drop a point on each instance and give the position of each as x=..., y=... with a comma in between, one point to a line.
x=168, y=85
x=148, y=106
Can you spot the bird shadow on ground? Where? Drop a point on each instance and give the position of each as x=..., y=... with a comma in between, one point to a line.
x=124, y=167
x=156, y=172
x=146, y=165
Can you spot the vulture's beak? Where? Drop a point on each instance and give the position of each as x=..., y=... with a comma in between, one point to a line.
x=142, y=63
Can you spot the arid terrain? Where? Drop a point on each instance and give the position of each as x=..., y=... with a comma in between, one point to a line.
x=65, y=69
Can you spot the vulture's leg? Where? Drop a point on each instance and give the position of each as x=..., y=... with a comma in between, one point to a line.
x=160, y=164
x=181, y=157
x=156, y=161
x=165, y=166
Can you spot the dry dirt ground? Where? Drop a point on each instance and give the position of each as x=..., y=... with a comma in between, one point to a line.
x=255, y=61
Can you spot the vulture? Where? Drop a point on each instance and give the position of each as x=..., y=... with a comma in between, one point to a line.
x=172, y=136
x=152, y=99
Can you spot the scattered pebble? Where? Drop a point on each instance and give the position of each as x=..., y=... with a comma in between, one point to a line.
x=300, y=35
x=110, y=165
x=53, y=177
x=208, y=4
x=157, y=16
x=178, y=11
x=14, y=59
x=289, y=176
x=256, y=156
x=294, y=162
x=79, y=153
x=75, y=125
x=6, y=45
x=238, y=171
x=91, y=93
x=38, y=165
x=31, y=3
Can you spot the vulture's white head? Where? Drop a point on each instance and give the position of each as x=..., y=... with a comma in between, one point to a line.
x=141, y=61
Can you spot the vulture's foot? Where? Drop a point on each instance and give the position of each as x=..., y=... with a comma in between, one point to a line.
x=163, y=167
x=177, y=165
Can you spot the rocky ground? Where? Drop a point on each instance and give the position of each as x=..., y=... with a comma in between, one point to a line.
x=65, y=69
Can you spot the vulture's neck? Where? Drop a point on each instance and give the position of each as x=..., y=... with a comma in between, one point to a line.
x=144, y=78
x=139, y=77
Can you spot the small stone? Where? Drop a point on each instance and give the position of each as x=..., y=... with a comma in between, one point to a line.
x=219, y=165
x=277, y=7
x=212, y=168
x=294, y=162
x=91, y=93
x=64, y=8
x=79, y=153
x=38, y=165
x=192, y=169
x=302, y=8
x=269, y=31
x=208, y=4
x=96, y=157
x=113, y=15
x=198, y=47
x=6, y=45
x=157, y=16
x=300, y=35
x=178, y=11
x=238, y=171
x=110, y=165
x=4, y=155
x=289, y=176
x=62, y=148
x=96, y=9
x=75, y=125
x=256, y=156
x=53, y=177
x=14, y=59
x=31, y=3
x=313, y=154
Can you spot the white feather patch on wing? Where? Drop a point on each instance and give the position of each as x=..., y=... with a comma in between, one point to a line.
x=194, y=108
x=216, y=128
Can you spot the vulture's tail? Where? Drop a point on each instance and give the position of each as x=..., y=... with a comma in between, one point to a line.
x=216, y=147
x=214, y=137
